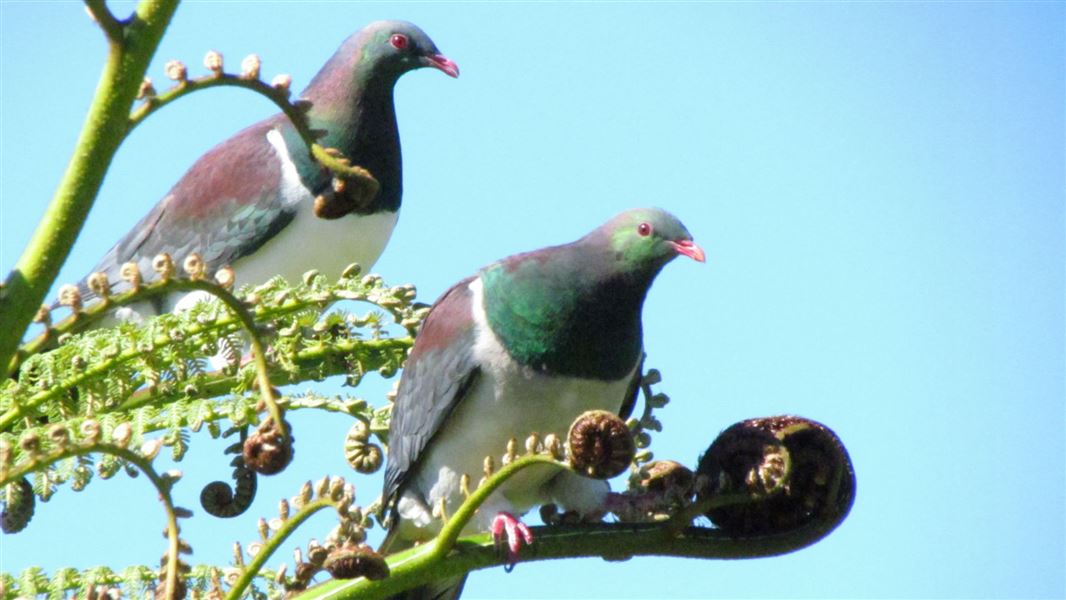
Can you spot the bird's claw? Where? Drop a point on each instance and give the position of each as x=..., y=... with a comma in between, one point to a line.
x=506, y=526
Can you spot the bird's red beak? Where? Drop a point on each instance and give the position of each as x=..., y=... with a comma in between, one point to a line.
x=439, y=61
x=690, y=249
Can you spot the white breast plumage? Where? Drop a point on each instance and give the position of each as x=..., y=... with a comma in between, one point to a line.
x=312, y=242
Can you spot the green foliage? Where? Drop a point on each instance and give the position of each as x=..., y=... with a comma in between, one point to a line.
x=144, y=387
x=154, y=378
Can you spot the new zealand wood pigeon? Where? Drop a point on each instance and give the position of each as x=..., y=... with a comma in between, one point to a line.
x=525, y=345
x=249, y=202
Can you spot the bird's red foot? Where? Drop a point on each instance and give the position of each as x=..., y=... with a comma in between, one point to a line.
x=506, y=526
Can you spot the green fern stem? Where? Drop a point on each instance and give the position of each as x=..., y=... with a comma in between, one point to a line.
x=162, y=487
x=105, y=128
x=451, y=530
x=450, y=556
x=610, y=541
x=271, y=545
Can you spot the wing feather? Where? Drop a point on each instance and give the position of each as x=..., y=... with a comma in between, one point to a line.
x=227, y=205
x=438, y=374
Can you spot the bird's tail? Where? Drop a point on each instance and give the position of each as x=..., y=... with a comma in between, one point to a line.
x=443, y=589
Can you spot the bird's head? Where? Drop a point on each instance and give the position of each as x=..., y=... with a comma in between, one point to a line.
x=648, y=238
x=396, y=47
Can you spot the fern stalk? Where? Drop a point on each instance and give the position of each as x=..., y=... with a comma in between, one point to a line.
x=106, y=126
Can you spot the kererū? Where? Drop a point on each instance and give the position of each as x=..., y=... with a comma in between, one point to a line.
x=250, y=202
x=525, y=345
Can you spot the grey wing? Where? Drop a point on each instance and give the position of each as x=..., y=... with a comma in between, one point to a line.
x=226, y=206
x=438, y=374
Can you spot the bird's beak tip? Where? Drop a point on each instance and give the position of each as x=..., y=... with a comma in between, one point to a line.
x=690, y=249
x=443, y=63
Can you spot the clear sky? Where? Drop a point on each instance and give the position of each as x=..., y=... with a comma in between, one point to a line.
x=879, y=188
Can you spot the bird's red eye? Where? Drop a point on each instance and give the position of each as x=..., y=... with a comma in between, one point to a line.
x=398, y=40
x=644, y=229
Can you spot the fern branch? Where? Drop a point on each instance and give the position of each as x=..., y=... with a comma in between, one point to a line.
x=450, y=556
x=445, y=540
x=270, y=546
x=105, y=19
x=104, y=130
x=144, y=464
x=610, y=541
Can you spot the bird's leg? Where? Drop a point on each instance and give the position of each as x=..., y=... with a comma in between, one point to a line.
x=509, y=527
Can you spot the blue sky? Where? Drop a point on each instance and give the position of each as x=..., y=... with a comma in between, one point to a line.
x=878, y=186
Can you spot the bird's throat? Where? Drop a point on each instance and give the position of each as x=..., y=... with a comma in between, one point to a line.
x=552, y=327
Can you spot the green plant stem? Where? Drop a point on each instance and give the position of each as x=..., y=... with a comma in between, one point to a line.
x=426, y=558
x=449, y=556
x=104, y=130
x=164, y=495
x=145, y=466
x=451, y=530
x=610, y=541
x=103, y=17
x=270, y=546
x=266, y=390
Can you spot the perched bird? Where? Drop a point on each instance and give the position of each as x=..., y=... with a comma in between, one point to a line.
x=250, y=202
x=524, y=346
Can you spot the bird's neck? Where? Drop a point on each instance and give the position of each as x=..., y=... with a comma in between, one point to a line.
x=362, y=126
x=566, y=314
